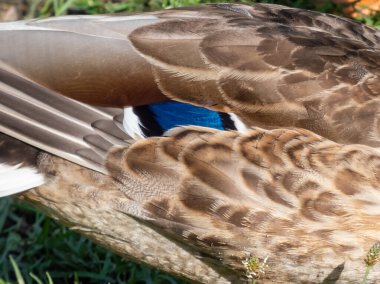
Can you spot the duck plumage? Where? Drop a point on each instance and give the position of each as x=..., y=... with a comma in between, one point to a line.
x=299, y=187
x=272, y=66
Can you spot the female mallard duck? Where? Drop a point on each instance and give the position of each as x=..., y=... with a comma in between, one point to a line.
x=306, y=200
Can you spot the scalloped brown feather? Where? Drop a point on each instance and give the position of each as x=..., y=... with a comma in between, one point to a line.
x=271, y=65
x=303, y=201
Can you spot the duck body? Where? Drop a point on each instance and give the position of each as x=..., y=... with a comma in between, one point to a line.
x=244, y=180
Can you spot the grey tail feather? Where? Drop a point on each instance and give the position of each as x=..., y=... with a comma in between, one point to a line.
x=56, y=124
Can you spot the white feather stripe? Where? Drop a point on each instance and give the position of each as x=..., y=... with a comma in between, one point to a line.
x=240, y=126
x=131, y=123
x=15, y=179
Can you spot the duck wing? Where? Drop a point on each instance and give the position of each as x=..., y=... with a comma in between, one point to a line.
x=271, y=65
x=56, y=124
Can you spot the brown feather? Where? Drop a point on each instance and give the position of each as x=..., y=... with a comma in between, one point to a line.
x=273, y=66
x=288, y=194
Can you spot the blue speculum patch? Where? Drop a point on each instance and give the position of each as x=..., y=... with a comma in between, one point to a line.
x=172, y=114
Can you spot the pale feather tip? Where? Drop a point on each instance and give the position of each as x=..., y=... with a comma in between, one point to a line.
x=15, y=179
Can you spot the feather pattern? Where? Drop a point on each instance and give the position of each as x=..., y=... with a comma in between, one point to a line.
x=272, y=66
x=285, y=194
x=156, y=119
x=299, y=185
x=67, y=128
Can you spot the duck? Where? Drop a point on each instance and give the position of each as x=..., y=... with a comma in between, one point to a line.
x=245, y=134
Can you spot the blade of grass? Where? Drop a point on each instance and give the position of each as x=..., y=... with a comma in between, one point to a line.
x=50, y=280
x=20, y=279
x=63, y=8
x=35, y=278
x=44, y=12
x=5, y=204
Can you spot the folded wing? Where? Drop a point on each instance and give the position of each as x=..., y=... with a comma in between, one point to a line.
x=272, y=66
x=56, y=124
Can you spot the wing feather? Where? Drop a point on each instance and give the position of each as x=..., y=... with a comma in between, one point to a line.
x=56, y=124
x=272, y=66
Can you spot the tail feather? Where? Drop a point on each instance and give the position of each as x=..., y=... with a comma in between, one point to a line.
x=18, y=166
x=15, y=179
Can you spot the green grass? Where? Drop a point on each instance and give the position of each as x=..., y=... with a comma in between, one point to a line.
x=372, y=20
x=47, y=8
x=41, y=249
x=34, y=248
x=44, y=8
